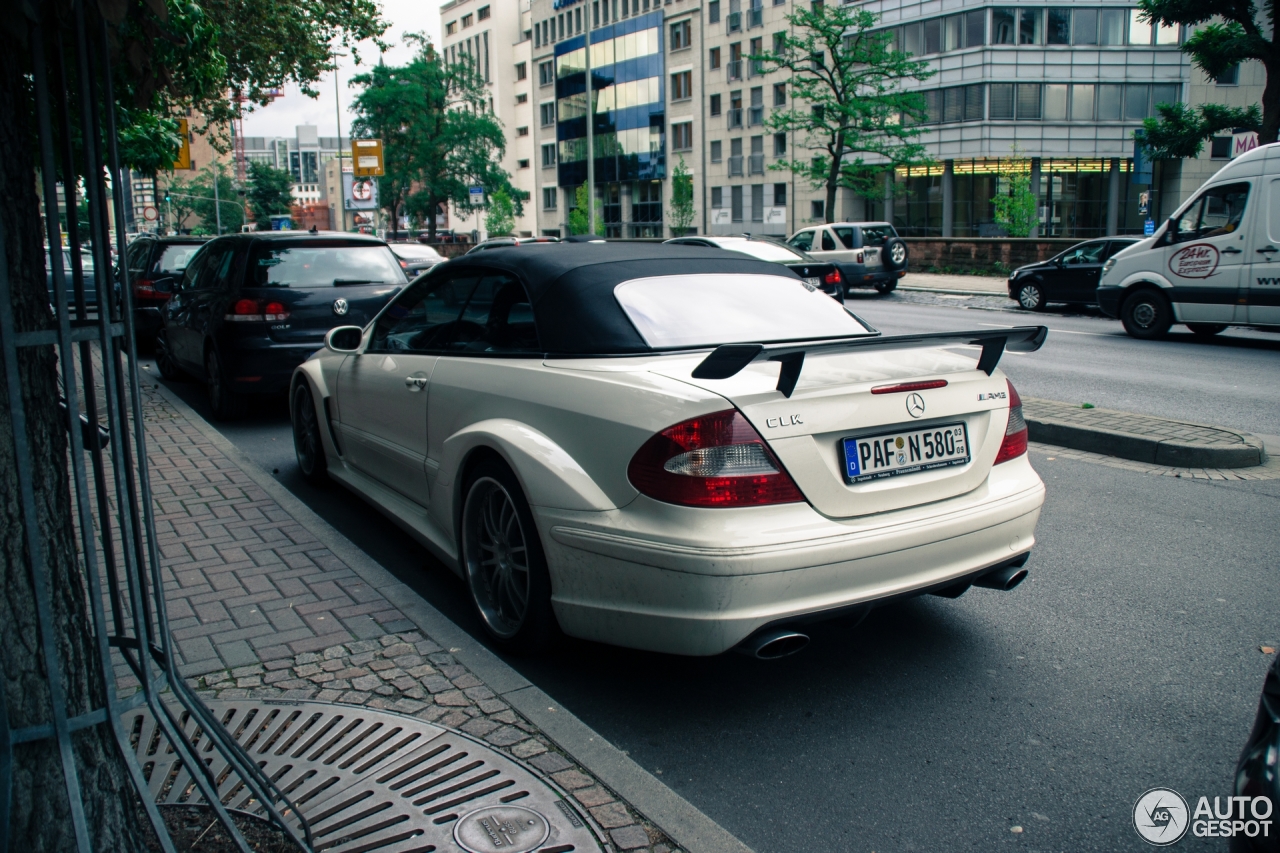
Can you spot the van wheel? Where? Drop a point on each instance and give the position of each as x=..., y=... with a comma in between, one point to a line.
x=1206, y=330
x=1031, y=296
x=502, y=559
x=1146, y=315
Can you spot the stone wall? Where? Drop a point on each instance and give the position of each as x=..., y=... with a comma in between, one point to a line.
x=981, y=253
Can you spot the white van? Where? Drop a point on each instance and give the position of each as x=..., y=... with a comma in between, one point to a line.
x=1215, y=263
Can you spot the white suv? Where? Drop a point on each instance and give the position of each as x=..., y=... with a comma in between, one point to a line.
x=869, y=254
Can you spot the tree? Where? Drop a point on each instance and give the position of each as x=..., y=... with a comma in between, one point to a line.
x=501, y=218
x=439, y=137
x=228, y=204
x=578, y=221
x=1228, y=34
x=1015, y=205
x=682, y=210
x=178, y=207
x=847, y=100
x=270, y=193
x=166, y=57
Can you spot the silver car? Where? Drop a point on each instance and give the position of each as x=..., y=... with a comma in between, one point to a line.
x=869, y=254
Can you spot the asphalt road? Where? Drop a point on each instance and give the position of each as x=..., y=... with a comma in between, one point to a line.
x=1130, y=658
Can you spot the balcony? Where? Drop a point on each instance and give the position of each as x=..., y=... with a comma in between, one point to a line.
x=756, y=166
x=755, y=18
x=734, y=69
x=735, y=118
x=755, y=68
x=733, y=22
x=735, y=166
x=756, y=116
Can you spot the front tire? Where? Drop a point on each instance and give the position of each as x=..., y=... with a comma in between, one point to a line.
x=227, y=405
x=308, y=446
x=1146, y=315
x=1031, y=296
x=1206, y=330
x=502, y=559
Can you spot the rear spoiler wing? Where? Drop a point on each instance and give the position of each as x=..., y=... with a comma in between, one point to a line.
x=729, y=359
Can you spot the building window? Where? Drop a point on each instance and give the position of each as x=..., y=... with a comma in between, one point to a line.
x=717, y=197
x=466, y=21
x=522, y=164
x=1230, y=77
x=779, y=145
x=682, y=136
x=756, y=164
x=482, y=13
x=548, y=155
x=1220, y=148
x=1028, y=101
x=1110, y=102
x=1003, y=25
x=757, y=202
x=546, y=73
x=735, y=203
x=755, y=67
x=1111, y=27
x=1055, y=102
x=547, y=112
x=1139, y=30
x=717, y=151
x=1001, y=101
x=1058, y=26
x=682, y=86
x=522, y=98
x=715, y=105
x=451, y=28
x=549, y=195
x=818, y=210
x=681, y=35
x=715, y=58
x=713, y=12
x=779, y=195
x=780, y=94
x=755, y=116
x=522, y=131
x=1084, y=28
x=1135, y=101
x=522, y=70
x=735, y=158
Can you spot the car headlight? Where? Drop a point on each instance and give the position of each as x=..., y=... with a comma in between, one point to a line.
x=1108, y=266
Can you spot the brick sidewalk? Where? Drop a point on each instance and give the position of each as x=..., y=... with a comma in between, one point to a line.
x=260, y=608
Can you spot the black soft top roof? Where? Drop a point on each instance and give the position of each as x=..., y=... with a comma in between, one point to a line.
x=570, y=286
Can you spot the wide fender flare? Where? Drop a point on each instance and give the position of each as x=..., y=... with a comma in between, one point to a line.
x=549, y=475
x=310, y=372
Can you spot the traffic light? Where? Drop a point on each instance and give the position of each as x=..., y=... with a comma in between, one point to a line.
x=167, y=196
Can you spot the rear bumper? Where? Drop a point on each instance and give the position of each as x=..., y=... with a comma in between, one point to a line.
x=147, y=320
x=1109, y=299
x=262, y=366
x=617, y=579
x=857, y=275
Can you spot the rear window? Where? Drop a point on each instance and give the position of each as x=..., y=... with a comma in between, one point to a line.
x=681, y=311
x=876, y=235
x=174, y=258
x=316, y=264
x=763, y=250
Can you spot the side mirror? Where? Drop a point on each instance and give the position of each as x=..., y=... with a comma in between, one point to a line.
x=163, y=285
x=344, y=339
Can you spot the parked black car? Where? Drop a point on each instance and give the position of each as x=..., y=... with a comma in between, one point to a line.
x=1258, y=771
x=1071, y=276
x=154, y=260
x=824, y=276
x=249, y=308
x=88, y=275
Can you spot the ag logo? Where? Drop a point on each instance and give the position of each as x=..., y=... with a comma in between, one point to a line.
x=915, y=405
x=1198, y=261
x=1161, y=817
x=340, y=306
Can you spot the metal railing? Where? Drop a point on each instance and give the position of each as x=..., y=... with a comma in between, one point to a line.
x=735, y=118
x=756, y=166
x=756, y=116
x=93, y=566
x=733, y=69
x=733, y=22
x=755, y=18
x=735, y=166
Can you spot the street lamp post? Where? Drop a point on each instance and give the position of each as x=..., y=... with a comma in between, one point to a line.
x=217, y=205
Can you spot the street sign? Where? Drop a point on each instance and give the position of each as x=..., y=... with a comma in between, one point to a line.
x=359, y=193
x=366, y=158
x=184, y=147
x=1148, y=228
x=477, y=195
x=149, y=213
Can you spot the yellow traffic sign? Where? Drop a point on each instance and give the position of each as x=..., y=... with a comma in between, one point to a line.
x=184, y=149
x=366, y=158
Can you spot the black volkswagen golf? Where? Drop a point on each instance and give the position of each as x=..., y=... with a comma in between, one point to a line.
x=249, y=308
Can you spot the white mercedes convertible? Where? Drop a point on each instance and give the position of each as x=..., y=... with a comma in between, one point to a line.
x=669, y=448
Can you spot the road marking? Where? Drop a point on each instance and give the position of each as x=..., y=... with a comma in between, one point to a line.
x=1058, y=331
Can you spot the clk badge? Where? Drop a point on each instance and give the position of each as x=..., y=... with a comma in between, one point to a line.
x=915, y=405
x=340, y=306
x=785, y=420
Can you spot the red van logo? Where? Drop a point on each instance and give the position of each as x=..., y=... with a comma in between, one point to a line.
x=1198, y=261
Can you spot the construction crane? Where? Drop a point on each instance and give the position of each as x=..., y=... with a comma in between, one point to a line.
x=237, y=130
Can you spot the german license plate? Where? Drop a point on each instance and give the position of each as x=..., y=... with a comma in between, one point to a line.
x=874, y=457
x=815, y=283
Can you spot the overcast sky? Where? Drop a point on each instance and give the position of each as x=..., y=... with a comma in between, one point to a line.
x=295, y=108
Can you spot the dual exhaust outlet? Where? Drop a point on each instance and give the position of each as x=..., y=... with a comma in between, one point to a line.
x=775, y=643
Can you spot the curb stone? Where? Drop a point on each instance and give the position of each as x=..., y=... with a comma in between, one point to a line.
x=687, y=827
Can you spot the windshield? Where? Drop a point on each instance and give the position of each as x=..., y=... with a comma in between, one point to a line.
x=763, y=250
x=323, y=265
x=708, y=310
x=174, y=258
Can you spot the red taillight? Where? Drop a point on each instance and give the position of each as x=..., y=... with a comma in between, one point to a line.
x=904, y=387
x=146, y=289
x=715, y=460
x=1015, y=434
x=253, y=310
x=861, y=258
x=275, y=312
x=832, y=277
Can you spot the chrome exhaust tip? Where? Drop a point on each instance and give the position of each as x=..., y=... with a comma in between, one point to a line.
x=1002, y=579
x=771, y=645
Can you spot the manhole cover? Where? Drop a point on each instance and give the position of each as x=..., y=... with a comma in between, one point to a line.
x=371, y=780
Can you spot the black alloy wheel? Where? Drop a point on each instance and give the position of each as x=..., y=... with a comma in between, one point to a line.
x=227, y=404
x=503, y=561
x=164, y=358
x=1146, y=315
x=307, y=443
x=1031, y=296
x=1206, y=330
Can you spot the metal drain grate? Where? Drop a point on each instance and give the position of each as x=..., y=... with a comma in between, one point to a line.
x=369, y=780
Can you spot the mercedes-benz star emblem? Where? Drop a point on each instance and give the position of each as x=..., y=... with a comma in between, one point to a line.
x=915, y=405
x=340, y=307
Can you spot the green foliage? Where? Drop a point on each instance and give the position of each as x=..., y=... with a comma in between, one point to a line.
x=682, y=209
x=270, y=192
x=1226, y=34
x=439, y=138
x=178, y=209
x=1015, y=205
x=1181, y=131
x=229, y=203
x=847, y=99
x=579, y=223
x=500, y=221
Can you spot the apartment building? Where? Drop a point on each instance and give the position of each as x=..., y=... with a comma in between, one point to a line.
x=495, y=36
x=303, y=155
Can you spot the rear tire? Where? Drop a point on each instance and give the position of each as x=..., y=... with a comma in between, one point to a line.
x=308, y=446
x=1206, y=330
x=503, y=561
x=1146, y=315
x=164, y=359
x=886, y=287
x=227, y=404
x=893, y=254
x=1031, y=296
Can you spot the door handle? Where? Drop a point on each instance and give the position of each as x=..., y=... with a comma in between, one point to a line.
x=1230, y=251
x=415, y=383
x=1269, y=249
